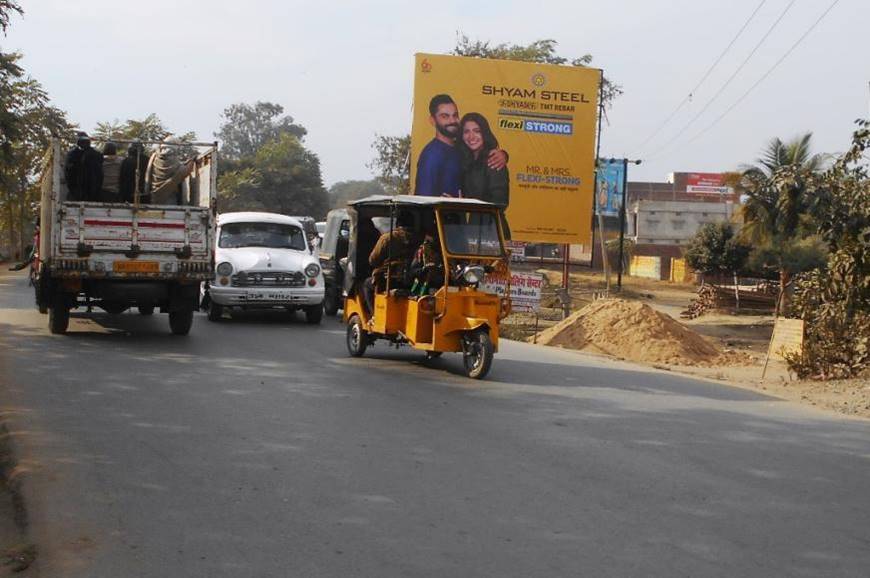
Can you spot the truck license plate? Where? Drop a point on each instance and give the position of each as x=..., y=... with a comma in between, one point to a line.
x=136, y=267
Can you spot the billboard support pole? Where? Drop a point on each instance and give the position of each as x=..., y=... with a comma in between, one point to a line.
x=595, y=210
x=622, y=221
x=622, y=225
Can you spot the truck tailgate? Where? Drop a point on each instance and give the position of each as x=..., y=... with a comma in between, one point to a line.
x=117, y=228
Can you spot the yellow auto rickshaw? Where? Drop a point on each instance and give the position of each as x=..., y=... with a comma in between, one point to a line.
x=440, y=306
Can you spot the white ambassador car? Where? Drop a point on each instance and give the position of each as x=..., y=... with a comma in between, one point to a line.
x=263, y=261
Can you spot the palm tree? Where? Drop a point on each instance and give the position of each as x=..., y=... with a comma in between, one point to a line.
x=777, y=200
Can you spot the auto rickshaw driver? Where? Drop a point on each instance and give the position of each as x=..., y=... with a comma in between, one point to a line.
x=392, y=253
x=427, y=267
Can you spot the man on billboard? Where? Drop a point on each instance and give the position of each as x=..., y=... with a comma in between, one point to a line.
x=439, y=168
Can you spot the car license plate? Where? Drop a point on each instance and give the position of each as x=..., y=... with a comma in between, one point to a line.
x=136, y=267
x=268, y=297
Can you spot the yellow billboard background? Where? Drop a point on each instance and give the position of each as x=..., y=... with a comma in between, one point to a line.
x=545, y=118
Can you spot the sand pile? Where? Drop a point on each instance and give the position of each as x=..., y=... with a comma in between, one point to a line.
x=631, y=330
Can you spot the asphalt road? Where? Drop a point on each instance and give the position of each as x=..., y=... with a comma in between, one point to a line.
x=257, y=447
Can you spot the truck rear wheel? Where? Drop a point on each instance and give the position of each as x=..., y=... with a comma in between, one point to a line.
x=181, y=321
x=58, y=315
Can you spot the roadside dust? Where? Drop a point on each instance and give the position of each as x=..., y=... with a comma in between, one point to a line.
x=17, y=555
x=635, y=331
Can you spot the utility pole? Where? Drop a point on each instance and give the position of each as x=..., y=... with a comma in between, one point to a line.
x=624, y=162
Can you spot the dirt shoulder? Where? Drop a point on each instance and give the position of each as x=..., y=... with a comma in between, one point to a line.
x=743, y=338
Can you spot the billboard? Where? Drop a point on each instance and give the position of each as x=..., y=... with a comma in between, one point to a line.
x=537, y=121
x=707, y=183
x=611, y=178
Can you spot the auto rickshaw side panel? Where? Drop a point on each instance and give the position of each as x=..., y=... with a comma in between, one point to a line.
x=464, y=310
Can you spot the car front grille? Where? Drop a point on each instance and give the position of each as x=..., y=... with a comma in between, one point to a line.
x=268, y=279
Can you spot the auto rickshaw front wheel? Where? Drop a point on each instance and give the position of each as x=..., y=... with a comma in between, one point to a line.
x=477, y=353
x=357, y=341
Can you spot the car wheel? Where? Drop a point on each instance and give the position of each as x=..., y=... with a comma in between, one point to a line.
x=215, y=311
x=181, y=321
x=357, y=340
x=313, y=314
x=331, y=302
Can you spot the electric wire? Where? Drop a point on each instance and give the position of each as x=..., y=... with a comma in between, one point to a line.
x=722, y=88
x=766, y=74
x=692, y=92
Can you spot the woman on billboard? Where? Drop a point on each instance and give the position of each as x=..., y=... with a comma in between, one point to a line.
x=479, y=181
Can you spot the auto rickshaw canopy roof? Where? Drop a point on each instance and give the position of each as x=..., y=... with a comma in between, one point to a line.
x=419, y=201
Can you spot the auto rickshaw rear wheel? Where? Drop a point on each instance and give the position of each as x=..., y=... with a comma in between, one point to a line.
x=477, y=353
x=356, y=337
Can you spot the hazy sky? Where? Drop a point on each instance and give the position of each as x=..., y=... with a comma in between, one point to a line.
x=344, y=70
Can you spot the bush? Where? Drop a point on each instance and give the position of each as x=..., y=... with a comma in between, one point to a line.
x=716, y=250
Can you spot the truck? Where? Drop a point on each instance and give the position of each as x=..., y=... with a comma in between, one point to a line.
x=119, y=255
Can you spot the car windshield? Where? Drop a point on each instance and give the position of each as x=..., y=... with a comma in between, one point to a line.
x=272, y=235
x=471, y=232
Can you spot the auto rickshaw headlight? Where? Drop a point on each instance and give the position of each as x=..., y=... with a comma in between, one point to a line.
x=473, y=274
x=312, y=270
x=225, y=269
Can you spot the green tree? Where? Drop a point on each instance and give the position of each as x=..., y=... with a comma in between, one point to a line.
x=777, y=200
x=282, y=177
x=247, y=127
x=345, y=191
x=392, y=161
x=7, y=8
x=716, y=250
x=34, y=121
x=543, y=51
x=150, y=128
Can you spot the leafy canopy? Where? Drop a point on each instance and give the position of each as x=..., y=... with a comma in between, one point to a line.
x=716, y=250
x=247, y=127
x=264, y=165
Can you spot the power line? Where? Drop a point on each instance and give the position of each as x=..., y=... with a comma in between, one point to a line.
x=691, y=93
x=727, y=82
x=766, y=74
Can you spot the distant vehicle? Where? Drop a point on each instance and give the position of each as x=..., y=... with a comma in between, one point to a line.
x=321, y=228
x=263, y=262
x=310, y=228
x=118, y=255
x=333, y=252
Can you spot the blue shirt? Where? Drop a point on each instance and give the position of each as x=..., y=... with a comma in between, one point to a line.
x=438, y=170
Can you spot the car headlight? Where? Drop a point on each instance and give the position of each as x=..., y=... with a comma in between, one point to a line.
x=312, y=270
x=225, y=269
x=473, y=274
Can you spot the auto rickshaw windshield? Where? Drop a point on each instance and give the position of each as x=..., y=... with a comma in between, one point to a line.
x=471, y=232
